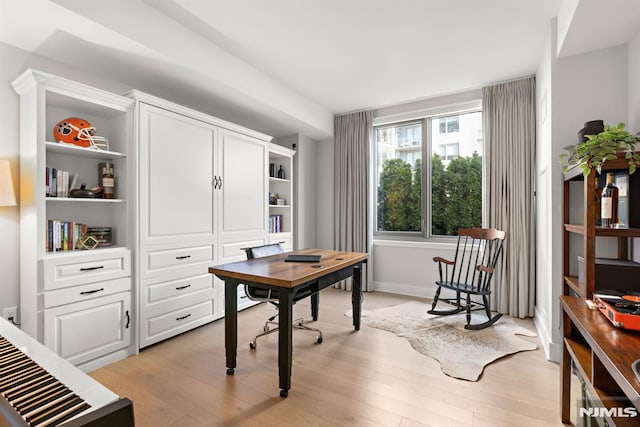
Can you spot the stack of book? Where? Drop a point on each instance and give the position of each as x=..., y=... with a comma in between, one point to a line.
x=275, y=224
x=64, y=235
x=59, y=182
x=101, y=234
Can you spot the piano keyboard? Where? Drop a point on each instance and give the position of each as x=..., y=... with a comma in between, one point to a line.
x=40, y=389
x=34, y=393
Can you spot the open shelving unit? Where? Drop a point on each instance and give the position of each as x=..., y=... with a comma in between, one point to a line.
x=284, y=212
x=580, y=226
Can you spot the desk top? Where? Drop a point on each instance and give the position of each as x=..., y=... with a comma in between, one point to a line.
x=273, y=270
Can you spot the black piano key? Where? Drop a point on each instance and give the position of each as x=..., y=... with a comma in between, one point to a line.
x=40, y=417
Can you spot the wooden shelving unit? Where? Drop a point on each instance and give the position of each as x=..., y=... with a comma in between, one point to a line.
x=601, y=355
x=587, y=229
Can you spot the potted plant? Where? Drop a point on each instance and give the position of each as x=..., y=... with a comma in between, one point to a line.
x=596, y=149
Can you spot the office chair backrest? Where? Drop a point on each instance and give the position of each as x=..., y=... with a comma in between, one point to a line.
x=263, y=251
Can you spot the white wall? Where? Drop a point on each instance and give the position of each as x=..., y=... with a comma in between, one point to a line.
x=324, y=194
x=545, y=169
x=305, y=182
x=578, y=89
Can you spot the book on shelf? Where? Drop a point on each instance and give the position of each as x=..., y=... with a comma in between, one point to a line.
x=63, y=236
x=275, y=224
x=58, y=183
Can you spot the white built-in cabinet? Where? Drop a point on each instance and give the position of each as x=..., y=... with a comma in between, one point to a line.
x=191, y=192
x=202, y=199
x=77, y=302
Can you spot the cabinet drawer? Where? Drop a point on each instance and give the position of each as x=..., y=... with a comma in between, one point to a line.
x=176, y=288
x=167, y=325
x=157, y=260
x=85, y=267
x=89, y=329
x=85, y=292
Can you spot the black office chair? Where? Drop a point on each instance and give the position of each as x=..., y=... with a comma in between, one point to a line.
x=470, y=273
x=271, y=296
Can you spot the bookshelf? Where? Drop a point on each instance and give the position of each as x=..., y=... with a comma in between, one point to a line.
x=580, y=234
x=75, y=301
x=280, y=223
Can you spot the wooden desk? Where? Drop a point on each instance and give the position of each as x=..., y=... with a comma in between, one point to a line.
x=603, y=355
x=288, y=278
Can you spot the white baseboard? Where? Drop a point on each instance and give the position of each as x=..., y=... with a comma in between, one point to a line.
x=404, y=289
x=552, y=350
x=110, y=358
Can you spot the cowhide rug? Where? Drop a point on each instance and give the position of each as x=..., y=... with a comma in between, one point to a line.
x=462, y=353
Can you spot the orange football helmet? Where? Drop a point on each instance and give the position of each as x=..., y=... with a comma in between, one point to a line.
x=76, y=131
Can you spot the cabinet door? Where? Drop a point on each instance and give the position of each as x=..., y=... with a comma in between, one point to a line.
x=85, y=330
x=176, y=173
x=243, y=203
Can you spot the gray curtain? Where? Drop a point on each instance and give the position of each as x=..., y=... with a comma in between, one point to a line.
x=509, y=126
x=351, y=186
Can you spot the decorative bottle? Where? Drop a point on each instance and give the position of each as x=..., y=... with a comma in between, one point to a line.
x=108, y=181
x=281, y=173
x=609, y=203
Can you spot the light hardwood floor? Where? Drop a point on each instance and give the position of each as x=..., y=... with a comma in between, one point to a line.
x=365, y=378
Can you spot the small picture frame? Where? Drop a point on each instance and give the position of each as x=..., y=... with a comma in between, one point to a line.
x=89, y=242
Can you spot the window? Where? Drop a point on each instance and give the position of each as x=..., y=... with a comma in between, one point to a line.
x=449, y=124
x=428, y=183
x=449, y=151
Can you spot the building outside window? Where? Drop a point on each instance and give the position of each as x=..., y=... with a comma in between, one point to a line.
x=429, y=182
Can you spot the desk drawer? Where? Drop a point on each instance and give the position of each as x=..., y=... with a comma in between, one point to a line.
x=85, y=292
x=85, y=267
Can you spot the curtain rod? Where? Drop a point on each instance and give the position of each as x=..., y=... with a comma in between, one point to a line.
x=511, y=80
x=354, y=111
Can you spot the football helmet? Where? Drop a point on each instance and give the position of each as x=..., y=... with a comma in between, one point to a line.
x=77, y=131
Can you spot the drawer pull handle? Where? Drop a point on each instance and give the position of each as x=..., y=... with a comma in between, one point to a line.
x=91, y=292
x=92, y=268
x=183, y=317
x=183, y=257
x=179, y=288
x=128, y=319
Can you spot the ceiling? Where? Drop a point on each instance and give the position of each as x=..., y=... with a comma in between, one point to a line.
x=287, y=66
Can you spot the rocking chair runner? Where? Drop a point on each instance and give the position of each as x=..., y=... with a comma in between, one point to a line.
x=470, y=273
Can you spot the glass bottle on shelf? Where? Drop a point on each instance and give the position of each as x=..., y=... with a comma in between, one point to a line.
x=281, y=174
x=609, y=203
x=107, y=181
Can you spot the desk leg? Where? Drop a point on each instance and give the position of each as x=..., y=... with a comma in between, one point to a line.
x=231, y=323
x=315, y=298
x=285, y=349
x=356, y=286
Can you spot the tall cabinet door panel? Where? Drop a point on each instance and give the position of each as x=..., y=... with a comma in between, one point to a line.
x=176, y=169
x=243, y=165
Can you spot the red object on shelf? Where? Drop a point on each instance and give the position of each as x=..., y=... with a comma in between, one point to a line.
x=621, y=308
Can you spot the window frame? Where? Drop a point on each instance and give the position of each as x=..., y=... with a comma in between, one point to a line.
x=426, y=118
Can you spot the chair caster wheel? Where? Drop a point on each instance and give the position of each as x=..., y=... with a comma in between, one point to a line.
x=284, y=393
x=230, y=371
x=266, y=328
x=319, y=340
x=252, y=346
